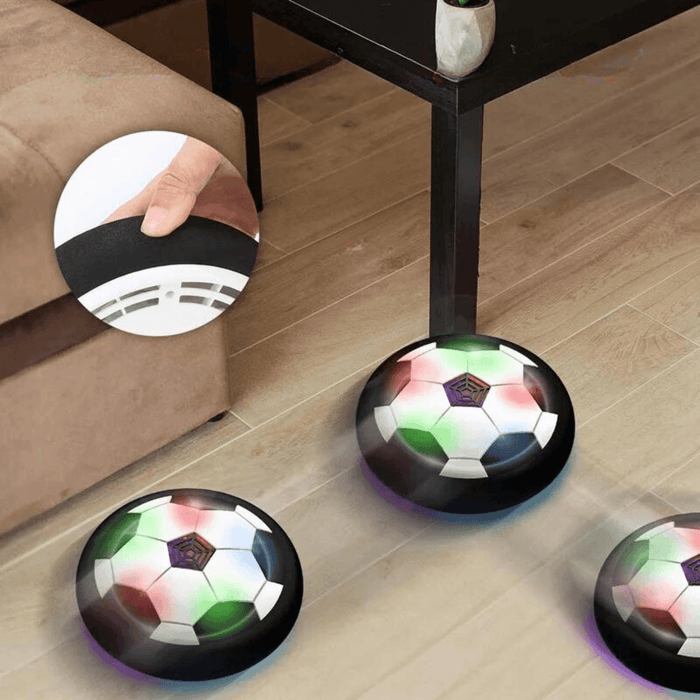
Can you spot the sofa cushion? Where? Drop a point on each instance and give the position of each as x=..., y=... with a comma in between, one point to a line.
x=77, y=418
x=66, y=88
x=29, y=190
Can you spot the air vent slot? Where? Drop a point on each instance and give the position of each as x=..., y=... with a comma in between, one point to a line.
x=229, y=291
x=141, y=305
x=190, y=299
x=103, y=307
x=200, y=285
x=113, y=317
x=140, y=291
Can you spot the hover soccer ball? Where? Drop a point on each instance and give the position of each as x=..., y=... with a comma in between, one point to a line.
x=189, y=585
x=465, y=424
x=647, y=602
x=158, y=286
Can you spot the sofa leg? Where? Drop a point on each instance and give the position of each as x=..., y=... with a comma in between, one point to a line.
x=217, y=417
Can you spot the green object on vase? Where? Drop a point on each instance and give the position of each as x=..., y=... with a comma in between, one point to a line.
x=470, y=3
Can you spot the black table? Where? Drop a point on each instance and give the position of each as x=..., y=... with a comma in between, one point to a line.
x=395, y=40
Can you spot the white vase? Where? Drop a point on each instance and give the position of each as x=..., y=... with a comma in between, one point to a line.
x=463, y=37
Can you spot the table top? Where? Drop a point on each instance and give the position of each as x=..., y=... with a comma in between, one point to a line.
x=396, y=39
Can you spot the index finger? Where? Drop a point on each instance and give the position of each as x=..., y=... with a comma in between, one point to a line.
x=196, y=162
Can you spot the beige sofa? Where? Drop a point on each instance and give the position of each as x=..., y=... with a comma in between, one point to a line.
x=80, y=400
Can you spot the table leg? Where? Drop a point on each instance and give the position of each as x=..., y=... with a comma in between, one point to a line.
x=232, y=52
x=454, y=220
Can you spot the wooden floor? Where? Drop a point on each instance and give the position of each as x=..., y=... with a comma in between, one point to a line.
x=590, y=258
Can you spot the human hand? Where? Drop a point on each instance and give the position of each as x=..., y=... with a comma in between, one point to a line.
x=199, y=181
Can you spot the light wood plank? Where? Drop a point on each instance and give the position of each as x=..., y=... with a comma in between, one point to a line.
x=613, y=357
x=670, y=161
x=595, y=680
x=675, y=302
x=285, y=292
x=545, y=103
x=267, y=253
x=72, y=671
x=348, y=195
x=558, y=224
x=559, y=301
x=682, y=487
x=294, y=364
x=274, y=122
x=532, y=169
x=329, y=91
x=341, y=140
x=645, y=438
x=333, y=543
x=474, y=659
x=288, y=458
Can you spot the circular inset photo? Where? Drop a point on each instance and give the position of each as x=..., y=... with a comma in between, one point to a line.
x=156, y=233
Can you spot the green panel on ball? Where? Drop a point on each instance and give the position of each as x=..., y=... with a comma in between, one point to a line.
x=421, y=441
x=489, y=362
x=467, y=344
x=633, y=559
x=224, y=619
x=108, y=542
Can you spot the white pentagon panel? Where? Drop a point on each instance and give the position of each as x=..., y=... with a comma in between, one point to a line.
x=234, y=574
x=464, y=469
x=624, y=602
x=267, y=598
x=494, y=367
x=225, y=529
x=464, y=432
x=440, y=365
x=140, y=562
x=252, y=519
x=104, y=577
x=517, y=355
x=151, y=504
x=686, y=613
x=174, y=633
x=675, y=544
x=419, y=405
x=182, y=595
x=545, y=427
x=386, y=423
x=655, y=531
x=657, y=585
x=418, y=351
x=168, y=522
x=691, y=647
x=512, y=408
